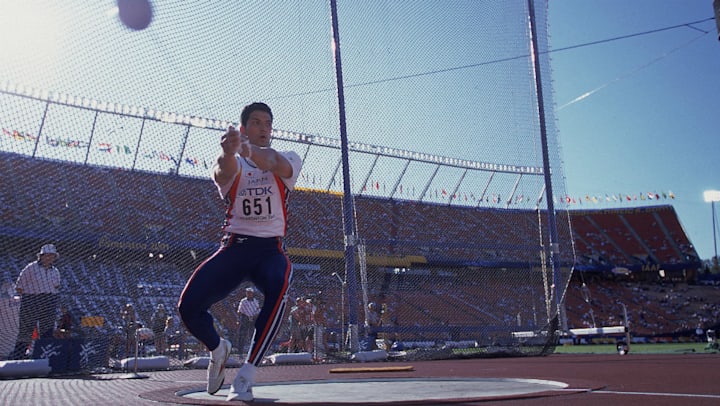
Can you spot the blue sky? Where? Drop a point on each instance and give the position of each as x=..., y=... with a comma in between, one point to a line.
x=654, y=122
x=648, y=122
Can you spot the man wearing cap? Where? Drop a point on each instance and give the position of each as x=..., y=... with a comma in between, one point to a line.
x=38, y=286
x=158, y=321
x=247, y=311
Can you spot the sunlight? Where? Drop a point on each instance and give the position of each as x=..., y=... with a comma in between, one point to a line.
x=30, y=33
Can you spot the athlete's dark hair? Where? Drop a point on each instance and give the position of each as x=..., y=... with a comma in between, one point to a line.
x=245, y=115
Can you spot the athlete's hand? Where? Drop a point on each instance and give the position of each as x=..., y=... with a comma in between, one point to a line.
x=245, y=150
x=234, y=142
x=230, y=141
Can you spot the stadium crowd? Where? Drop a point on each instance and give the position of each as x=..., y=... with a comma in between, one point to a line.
x=109, y=219
x=85, y=201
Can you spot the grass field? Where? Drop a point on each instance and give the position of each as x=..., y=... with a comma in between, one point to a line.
x=666, y=348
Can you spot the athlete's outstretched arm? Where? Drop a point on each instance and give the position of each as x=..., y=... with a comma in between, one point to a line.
x=227, y=165
x=264, y=158
x=268, y=159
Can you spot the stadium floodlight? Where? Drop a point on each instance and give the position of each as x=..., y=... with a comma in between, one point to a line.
x=713, y=196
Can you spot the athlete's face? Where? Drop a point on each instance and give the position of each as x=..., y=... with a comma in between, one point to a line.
x=258, y=128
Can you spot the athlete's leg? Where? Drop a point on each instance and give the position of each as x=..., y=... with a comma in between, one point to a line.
x=271, y=273
x=211, y=282
x=272, y=276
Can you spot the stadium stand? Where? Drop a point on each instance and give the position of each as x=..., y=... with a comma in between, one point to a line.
x=97, y=276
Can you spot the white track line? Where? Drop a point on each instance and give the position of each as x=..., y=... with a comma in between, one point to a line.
x=680, y=395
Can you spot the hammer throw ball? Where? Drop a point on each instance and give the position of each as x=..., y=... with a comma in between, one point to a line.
x=135, y=14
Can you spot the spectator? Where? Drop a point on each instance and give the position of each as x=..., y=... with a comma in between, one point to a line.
x=158, y=321
x=9, y=311
x=373, y=322
x=175, y=336
x=247, y=311
x=65, y=324
x=320, y=339
x=129, y=326
x=38, y=285
x=294, y=343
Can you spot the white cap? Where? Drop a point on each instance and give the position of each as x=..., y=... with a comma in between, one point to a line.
x=49, y=249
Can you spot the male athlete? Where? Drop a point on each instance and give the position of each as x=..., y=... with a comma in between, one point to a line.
x=254, y=180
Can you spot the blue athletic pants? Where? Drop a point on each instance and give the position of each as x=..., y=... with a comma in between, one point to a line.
x=263, y=262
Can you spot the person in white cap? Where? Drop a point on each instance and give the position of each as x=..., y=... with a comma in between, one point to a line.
x=247, y=311
x=38, y=285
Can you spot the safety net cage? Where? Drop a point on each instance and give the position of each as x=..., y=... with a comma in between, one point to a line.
x=423, y=223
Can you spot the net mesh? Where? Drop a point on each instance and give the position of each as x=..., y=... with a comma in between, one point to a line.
x=109, y=133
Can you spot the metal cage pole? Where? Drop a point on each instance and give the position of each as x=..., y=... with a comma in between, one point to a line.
x=553, y=250
x=348, y=209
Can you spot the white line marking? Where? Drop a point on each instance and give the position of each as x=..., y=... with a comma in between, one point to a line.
x=680, y=395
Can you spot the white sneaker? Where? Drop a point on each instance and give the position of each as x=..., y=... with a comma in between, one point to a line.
x=216, y=369
x=241, y=388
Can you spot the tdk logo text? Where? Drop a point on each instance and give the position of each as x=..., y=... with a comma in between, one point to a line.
x=257, y=191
